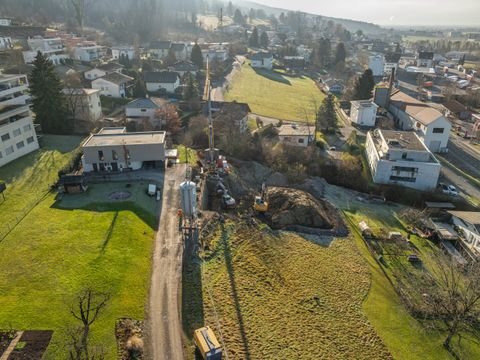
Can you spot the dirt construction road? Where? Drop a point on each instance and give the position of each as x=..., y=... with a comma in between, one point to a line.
x=164, y=320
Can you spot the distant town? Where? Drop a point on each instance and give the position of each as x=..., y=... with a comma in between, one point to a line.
x=223, y=180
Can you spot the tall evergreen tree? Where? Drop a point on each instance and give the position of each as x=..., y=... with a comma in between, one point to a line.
x=327, y=117
x=323, y=54
x=139, y=90
x=340, y=53
x=49, y=102
x=253, y=41
x=190, y=92
x=264, y=40
x=364, y=86
x=196, y=56
x=230, y=9
x=238, y=17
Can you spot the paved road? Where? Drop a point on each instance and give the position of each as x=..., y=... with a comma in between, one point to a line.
x=463, y=156
x=217, y=92
x=164, y=319
x=460, y=183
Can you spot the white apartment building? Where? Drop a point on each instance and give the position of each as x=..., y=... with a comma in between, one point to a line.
x=84, y=104
x=401, y=158
x=377, y=64
x=119, y=51
x=52, y=48
x=363, y=113
x=391, y=62
x=89, y=51
x=429, y=124
x=17, y=132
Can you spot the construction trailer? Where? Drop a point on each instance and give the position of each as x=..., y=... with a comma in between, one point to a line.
x=207, y=344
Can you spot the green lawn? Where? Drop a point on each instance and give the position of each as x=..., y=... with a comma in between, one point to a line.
x=281, y=296
x=64, y=246
x=405, y=336
x=275, y=94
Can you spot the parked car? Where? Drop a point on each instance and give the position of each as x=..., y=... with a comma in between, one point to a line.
x=448, y=189
x=228, y=201
x=414, y=259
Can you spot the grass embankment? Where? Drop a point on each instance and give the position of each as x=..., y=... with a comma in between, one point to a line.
x=405, y=336
x=275, y=94
x=186, y=154
x=282, y=296
x=62, y=247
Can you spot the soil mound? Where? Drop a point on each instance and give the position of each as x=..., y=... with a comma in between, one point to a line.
x=291, y=207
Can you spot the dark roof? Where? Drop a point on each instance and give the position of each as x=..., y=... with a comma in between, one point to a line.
x=455, y=107
x=160, y=44
x=471, y=217
x=425, y=55
x=146, y=103
x=232, y=109
x=184, y=66
x=261, y=56
x=392, y=57
x=178, y=46
x=110, y=66
x=165, y=77
x=71, y=179
x=116, y=78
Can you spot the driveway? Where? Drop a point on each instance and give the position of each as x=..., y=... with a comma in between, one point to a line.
x=164, y=322
x=217, y=92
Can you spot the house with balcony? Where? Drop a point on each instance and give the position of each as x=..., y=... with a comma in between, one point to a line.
x=17, y=132
x=123, y=51
x=89, y=51
x=430, y=124
x=52, y=48
x=401, y=158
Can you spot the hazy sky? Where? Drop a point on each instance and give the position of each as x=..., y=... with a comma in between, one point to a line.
x=391, y=12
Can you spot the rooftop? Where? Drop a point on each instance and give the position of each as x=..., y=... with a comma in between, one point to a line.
x=364, y=103
x=471, y=217
x=110, y=66
x=406, y=140
x=115, y=78
x=160, y=44
x=296, y=130
x=161, y=77
x=112, y=138
x=261, y=55
x=146, y=103
x=415, y=108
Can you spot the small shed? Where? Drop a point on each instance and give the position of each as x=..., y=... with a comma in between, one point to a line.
x=72, y=184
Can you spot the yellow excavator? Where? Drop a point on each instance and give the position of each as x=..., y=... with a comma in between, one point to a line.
x=260, y=204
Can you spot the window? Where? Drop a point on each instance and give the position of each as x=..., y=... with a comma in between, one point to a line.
x=404, y=155
x=143, y=110
x=403, y=178
x=9, y=150
x=301, y=141
x=20, y=145
x=6, y=137
x=438, y=130
x=114, y=155
x=27, y=127
x=16, y=132
x=100, y=155
x=30, y=140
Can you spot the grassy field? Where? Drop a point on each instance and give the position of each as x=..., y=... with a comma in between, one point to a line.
x=280, y=296
x=275, y=94
x=63, y=246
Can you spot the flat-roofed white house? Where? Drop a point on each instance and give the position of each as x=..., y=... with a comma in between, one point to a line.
x=114, y=84
x=262, y=60
x=17, y=132
x=429, y=124
x=84, y=104
x=89, y=51
x=296, y=135
x=468, y=225
x=363, y=113
x=126, y=51
x=376, y=63
x=114, y=150
x=167, y=81
x=52, y=48
x=401, y=158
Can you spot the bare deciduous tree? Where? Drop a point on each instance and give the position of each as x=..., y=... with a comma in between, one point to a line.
x=87, y=308
x=452, y=297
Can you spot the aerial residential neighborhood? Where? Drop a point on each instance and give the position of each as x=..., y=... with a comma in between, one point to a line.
x=239, y=180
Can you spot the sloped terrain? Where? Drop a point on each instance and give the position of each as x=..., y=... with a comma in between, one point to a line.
x=280, y=296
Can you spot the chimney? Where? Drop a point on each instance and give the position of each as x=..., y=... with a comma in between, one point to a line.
x=390, y=87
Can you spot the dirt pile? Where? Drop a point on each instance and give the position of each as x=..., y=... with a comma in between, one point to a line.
x=291, y=207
